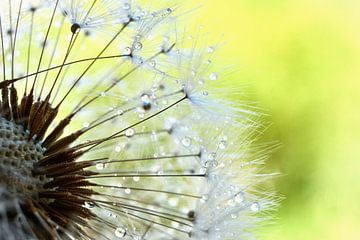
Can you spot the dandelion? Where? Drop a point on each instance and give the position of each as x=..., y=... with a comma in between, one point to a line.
x=113, y=126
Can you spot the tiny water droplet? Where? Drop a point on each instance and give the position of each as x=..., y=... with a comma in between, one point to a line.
x=211, y=49
x=168, y=11
x=126, y=6
x=239, y=198
x=100, y=166
x=223, y=144
x=152, y=63
x=255, y=207
x=118, y=149
x=89, y=205
x=127, y=50
x=213, y=76
x=130, y=132
x=120, y=232
x=127, y=190
x=186, y=141
x=136, y=178
x=138, y=45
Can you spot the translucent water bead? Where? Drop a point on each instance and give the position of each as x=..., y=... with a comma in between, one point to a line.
x=255, y=207
x=186, y=142
x=120, y=232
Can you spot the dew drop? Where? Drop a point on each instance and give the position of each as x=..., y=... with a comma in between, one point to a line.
x=127, y=190
x=213, y=76
x=239, y=198
x=138, y=45
x=152, y=63
x=211, y=156
x=130, y=132
x=223, y=144
x=204, y=198
x=186, y=142
x=146, y=101
x=255, y=207
x=127, y=50
x=136, y=178
x=89, y=205
x=120, y=232
x=119, y=112
x=126, y=6
x=211, y=49
x=100, y=166
x=168, y=11
x=86, y=124
x=118, y=149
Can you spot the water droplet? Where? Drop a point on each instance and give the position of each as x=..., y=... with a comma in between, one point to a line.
x=255, y=207
x=239, y=198
x=223, y=144
x=119, y=112
x=138, y=45
x=211, y=156
x=118, y=149
x=127, y=51
x=136, y=178
x=130, y=132
x=152, y=63
x=186, y=142
x=126, y=6
x=146, y=101
x=120, y=232
x=86, y=124
x=213, y=76
x=127, y=190
x=89, y=205
x=168, y=11
x=211, y=49
x=204, y=198
x=100, y=166
x=233, y=216
x=103, y=94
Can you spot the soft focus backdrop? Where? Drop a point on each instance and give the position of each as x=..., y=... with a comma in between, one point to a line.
x=302, y=62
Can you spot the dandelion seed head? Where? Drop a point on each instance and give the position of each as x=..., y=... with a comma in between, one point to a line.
x=113, y=125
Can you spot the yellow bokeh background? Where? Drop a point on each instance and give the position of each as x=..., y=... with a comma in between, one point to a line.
x=302, y=61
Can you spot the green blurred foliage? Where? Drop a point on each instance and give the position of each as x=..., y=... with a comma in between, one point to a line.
x=302, y=60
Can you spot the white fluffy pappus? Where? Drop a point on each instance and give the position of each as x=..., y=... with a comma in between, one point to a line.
x=128, y=135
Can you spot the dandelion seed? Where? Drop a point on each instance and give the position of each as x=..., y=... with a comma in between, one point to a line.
x=110, y=129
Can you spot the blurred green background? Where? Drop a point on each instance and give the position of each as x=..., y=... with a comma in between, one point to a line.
x=302, y=60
